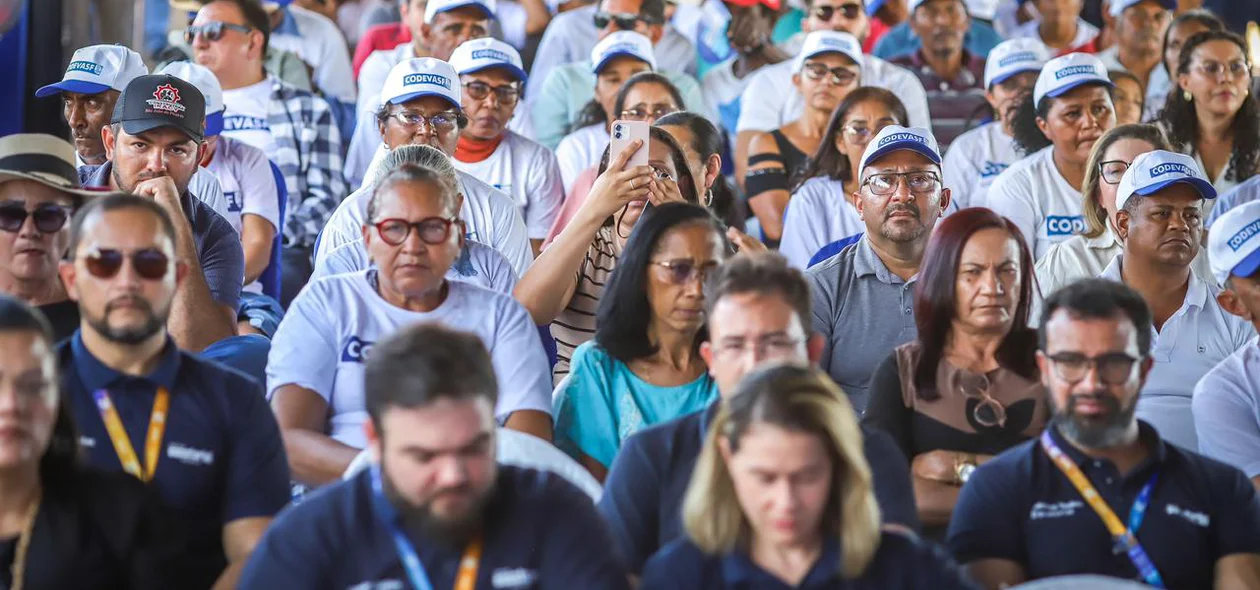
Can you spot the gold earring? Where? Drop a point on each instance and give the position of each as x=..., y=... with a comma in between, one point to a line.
x=1186, y=95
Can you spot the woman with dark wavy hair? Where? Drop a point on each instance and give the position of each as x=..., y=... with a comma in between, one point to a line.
x=968, y=388
x=1211, y=114
x=1183, y=27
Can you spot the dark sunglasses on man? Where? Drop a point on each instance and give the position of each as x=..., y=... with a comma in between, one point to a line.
x=104, y=263
x=212, y=31
x=625, y=21
x=850, y=10
x=48, y=218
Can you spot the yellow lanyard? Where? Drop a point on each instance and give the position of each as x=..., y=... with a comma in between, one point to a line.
x=24, y=544
x=122, y=443
x=466, y=579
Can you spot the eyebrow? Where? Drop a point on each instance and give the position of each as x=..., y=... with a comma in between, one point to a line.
x=480, y=439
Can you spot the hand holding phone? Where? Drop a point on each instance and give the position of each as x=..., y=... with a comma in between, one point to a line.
x=623, y=134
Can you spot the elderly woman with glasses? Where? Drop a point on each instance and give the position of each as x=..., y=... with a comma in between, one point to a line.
x=968, y=388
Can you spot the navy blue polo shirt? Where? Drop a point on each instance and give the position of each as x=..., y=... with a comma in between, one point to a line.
x=222, y=458
x=901, y=562
x=541, y=532
x=1020, y=507
x=644, y=491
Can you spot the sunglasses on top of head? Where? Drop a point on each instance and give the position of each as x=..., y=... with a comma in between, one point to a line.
x=48, y=218
x=212, y=31
x=150, y=263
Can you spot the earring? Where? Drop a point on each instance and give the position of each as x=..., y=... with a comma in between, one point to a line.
x=708, y=198
x=1186, y=95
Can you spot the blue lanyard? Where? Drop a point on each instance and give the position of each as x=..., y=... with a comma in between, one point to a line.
x=406, y=552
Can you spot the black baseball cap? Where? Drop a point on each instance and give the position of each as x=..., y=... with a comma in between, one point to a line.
x=161, y=100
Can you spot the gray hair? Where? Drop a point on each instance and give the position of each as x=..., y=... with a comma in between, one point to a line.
x=415, y=163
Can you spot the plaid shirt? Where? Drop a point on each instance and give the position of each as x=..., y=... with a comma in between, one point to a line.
x=308, y=152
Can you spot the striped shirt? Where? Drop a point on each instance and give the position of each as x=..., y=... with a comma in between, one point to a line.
x=576, y=324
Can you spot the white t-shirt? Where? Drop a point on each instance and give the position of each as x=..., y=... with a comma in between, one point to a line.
x=580, y=150
x=1033, y=195
x=530, y=174
x=1227, y=410
x=319, y=43
x=478, y=264
x=245, y=118
x=974, y=161
x=491, y=216
x=206, y=187
x=1085, y=33
x=248, y=185
x=330, y=328
x=771, y=101
x=722, y=91
x=818, y=214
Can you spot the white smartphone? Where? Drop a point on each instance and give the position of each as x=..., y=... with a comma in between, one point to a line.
x=623, y=134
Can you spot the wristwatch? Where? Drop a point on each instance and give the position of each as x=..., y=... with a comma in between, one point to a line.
x=964, y=469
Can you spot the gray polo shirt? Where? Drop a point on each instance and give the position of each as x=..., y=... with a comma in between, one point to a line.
x=862, y=311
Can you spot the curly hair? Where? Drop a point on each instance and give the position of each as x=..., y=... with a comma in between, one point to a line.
x=828, y=160
x=1181, y=122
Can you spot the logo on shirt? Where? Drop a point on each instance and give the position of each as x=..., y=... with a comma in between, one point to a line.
x=1017, y=57
x=1171, y=168
x=234, y=201
x=1064, y=225
x=1244, y=235
x=1048, y=510
x=992, y=169
x=1195, y=518
x=85, y=66
x=899, y=137
x=493, y=54
x=87, y=442
x=1086, y=70
x=513, y=578
x=431, y=79
x=245, y=123
x=166, y=101
x=356, y=350
x=189, y=455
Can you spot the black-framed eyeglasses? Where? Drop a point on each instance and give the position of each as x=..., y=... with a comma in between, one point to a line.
x=507, y=95
x=212, y=31
x=1113, y=368
x=850, y=10
x=885, y=183
x=1112, y=171
x=440, y=122
x=681, y=272
x=840, y=76
x=432, y=230
x=626, y=21
x=48, y=218
x=149, y=263
x=642, y=113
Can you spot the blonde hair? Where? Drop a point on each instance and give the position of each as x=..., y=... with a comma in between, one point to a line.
x=800, y=399
x=1091, y=208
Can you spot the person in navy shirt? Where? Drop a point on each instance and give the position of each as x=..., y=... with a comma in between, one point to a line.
x=1178, y=520
x=435, y=510
x=198, y=432
x=782, y=498
x=759, y=311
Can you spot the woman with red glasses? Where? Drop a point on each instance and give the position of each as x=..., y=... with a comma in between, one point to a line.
x=968, y=388
x=413, y=235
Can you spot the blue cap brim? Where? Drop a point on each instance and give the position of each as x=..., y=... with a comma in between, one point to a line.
x=482, y=7
x=1205, y=188
x=898, y=146
x=214, y=124
x=614, y=55
x=1057, y=92
x=78, y=86
x=515, y=71
x=1248, y=266
x=421, y=94
x=1011, y=74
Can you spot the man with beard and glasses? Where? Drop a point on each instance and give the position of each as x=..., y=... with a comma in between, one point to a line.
x=435, y=510
x=1139, y=48
x=863, y=297
x=1159, y=219
x=199, y=433
x=1060, y=505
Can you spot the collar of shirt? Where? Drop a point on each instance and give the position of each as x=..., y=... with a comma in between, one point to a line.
x=1105, y=240
x=288, y=26
x=866, y=262
x=1196, y=293
x=100, y=178
x=969, y=75
x=738, y=569
x=96, y=376
x=1147, y=435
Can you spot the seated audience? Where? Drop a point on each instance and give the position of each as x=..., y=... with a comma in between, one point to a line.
x=1053, y=506
x=316, y=39
x=980, y=38
x=1140, y=28
x=950, y=73
x=751, y=26
x=782, y=497
x=703, y=144
x=863, y=296
x=212, y=450
x=435, y=510
x=967, y=388
x=643, y=367
x=1059, y=27
x=1185, y=25
x=1126, y=97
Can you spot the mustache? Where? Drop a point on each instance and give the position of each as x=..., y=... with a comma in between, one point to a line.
x=1101, y=398
x=129, y=300
x=901, y=208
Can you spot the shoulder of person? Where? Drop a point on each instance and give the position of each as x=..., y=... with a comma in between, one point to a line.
x=476, y=189
x=1207, y=475
x=235, y=386
x=1019, y=175
x=534, y=489
x=486, y=301
x=1233, y=376
x=327, y=514
x=532, y=149
x=660, y=440
x=679, y=559
x=591, y=354
x=841, y=264
x=763, y=143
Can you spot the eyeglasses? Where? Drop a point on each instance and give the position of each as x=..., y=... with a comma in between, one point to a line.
x=1112, y=171
x=886, y=183
x=988, y=412
x=862, y=134
x=1214, y=69
x=48, y=218
x=432, y=230
x=626, y=21
x=507, y=95
x=681, y=272
x=212, y=31
x=441, y=122
x=768, y=347
x=661, y=173
x=640, y=113
x=839, y=76
x=150, y=263
x=1113, y=368
x=850, y=11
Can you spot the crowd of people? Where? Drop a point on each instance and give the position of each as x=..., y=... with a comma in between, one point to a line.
x=926, y=294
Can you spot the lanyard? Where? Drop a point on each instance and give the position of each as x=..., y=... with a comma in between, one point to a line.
x=18, y=570
x=1125, y=538
x=465, y=579
x=122, y=443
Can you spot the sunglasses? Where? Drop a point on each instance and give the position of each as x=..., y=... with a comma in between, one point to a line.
x=432, y=230
x=681, y=272
x=507, y=95
x=850, y=11
x=839, y=76
x=212, y=31
x=150, y=263
x=625, y=21
x=48, y=218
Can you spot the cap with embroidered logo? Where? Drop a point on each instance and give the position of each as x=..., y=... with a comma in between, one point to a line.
x=895, y=138
x=436, y=7
x=161, y=100
x=205, y=81
x=1014, y=57
x=419, y=77
x=1119, y=6
x=97, y=68
x=1154, y=171
x=820, y=42
x=622, y=43
x=1064, y=74
x=486, y=53
x=1234, y=243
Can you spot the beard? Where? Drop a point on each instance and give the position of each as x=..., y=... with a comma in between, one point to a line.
x=129, y=335
x=453, y=531
x=902, y=234
x=1091, y=432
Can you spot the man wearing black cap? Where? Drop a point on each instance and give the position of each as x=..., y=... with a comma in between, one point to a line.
x=153, y=144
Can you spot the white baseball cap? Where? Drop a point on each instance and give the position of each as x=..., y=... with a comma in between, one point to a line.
x=97, y=68
x=622, y=43
x=1234, y=242
x=1119, y=6
x=435, y=7
x=485, y=53
x=1065, y=73
x=418, y=77
x=1154, y=171
x=1014, y=57
x=820, y=42
x=205, y=81
x=895, y=138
